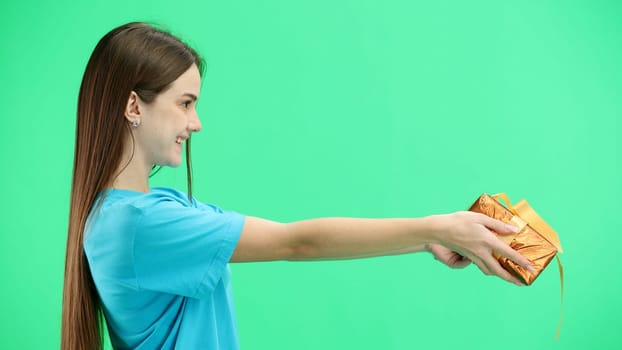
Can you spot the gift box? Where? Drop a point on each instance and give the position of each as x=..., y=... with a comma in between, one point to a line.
x=535, y=239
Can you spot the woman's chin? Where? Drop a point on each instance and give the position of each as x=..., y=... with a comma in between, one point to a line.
x=173, y=163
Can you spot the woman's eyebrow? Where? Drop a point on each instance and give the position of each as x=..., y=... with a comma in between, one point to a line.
x=192, y=96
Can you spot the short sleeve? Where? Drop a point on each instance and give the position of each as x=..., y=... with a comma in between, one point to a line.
x=183, y=250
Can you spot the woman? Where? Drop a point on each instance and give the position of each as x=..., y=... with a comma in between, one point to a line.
x=154, y=261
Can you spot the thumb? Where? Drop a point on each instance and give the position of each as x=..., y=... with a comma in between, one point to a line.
x=461, y=262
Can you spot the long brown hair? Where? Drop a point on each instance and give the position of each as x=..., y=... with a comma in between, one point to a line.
x=133, y=57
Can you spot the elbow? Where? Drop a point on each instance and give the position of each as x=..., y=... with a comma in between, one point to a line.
x=300, y=245
x=301, y=252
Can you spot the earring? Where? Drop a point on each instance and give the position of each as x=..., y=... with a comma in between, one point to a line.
x=134, y=124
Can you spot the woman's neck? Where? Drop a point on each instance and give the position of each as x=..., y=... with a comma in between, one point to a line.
x=133, y=174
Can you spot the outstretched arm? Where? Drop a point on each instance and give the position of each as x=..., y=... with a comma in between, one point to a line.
x=466, y=233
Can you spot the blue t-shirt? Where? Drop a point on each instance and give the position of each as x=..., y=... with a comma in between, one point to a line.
x=160, y=265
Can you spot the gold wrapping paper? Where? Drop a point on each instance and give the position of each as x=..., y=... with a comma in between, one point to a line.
x=535, y=240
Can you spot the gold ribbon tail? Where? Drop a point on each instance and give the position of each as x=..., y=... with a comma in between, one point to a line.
x=561, y=307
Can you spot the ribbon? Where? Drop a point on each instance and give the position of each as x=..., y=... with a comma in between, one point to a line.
x=523, y=215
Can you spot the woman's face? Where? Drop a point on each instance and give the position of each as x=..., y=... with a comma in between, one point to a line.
x=167, y=122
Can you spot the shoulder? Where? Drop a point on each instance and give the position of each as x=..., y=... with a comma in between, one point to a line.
x=165, y=206
x=160, y=209
x=118, y=208
x=160, y=197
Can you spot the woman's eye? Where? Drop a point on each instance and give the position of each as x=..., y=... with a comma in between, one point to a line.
x=186, y=104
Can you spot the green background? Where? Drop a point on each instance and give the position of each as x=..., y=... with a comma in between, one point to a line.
x=348, y=108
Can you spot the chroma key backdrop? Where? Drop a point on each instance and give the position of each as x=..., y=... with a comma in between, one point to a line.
x=389, y=108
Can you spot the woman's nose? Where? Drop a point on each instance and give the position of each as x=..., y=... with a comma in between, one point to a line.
x=194, y=124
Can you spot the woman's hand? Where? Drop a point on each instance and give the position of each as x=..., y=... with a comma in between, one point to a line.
x=447, y=257
x=466, y=236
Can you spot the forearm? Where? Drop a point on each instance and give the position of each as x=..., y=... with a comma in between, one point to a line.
x=347, y=238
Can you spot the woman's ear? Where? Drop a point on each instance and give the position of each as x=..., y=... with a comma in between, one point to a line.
x=132, y=110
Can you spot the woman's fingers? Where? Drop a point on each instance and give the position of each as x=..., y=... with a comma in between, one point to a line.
x=448, y=257
x=482, y=266
x=498, y=270
x=490, y=266
x=497, y=225
x=505, y=250
x=502, y=248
